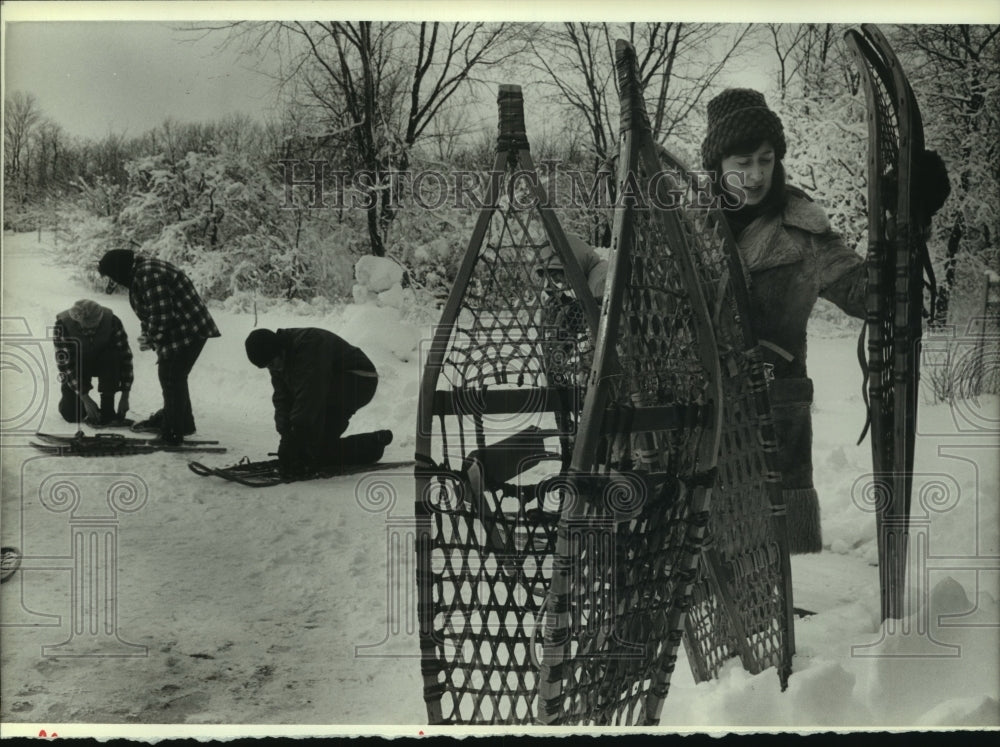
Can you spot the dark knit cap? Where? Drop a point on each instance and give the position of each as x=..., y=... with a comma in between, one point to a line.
x=738, y=116
x=262, y=347
x=117, y=265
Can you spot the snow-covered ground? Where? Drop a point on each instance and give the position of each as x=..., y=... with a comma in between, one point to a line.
x=272, y=607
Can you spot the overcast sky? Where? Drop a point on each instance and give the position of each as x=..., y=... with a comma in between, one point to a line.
x=99, y=76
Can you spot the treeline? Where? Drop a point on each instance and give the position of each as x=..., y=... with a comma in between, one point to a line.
x=385, y=98
x=42, y=162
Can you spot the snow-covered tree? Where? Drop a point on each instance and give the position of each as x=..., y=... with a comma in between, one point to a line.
x=956, y=68
x=376, y=88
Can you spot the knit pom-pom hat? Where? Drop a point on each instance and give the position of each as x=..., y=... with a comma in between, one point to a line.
x=739, y=116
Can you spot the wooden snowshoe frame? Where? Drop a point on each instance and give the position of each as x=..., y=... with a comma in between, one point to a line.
x=562, y=596
x=629, y=542
x=498, y=412
x=742, y=605
x=897, y=260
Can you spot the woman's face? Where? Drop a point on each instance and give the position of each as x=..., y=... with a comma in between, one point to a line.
x=757, y=169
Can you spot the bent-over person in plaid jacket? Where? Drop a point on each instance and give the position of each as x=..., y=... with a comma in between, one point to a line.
x=175, y=323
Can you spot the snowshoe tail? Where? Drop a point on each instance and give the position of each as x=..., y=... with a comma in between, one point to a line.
x=261, y=474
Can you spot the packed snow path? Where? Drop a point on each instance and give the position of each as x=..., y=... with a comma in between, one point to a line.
x=277, y=606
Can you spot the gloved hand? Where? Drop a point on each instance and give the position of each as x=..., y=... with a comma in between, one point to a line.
x=123, y=404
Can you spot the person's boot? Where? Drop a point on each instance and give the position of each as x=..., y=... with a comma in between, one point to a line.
x=152, y=424
x=361, y=448
x=107, y=407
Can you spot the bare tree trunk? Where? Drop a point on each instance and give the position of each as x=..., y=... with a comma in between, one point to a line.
x=678, y=63
x=387, y=82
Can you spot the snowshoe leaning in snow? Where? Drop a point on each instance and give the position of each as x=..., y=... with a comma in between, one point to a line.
x=499, y=407
x=741, y=604
x=906, y=186
x=320, y=381
x=722, y=464
x=90, y=342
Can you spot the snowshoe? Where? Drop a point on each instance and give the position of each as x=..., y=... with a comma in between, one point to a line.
x=116, y=444
x=267, y=473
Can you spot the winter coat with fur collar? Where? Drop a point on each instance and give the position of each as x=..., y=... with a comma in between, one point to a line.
x=793, y=259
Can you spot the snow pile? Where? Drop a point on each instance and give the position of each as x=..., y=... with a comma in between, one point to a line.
x=279, y=606
x=380, y=281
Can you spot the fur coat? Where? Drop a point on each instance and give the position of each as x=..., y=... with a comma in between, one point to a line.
x=792, y=260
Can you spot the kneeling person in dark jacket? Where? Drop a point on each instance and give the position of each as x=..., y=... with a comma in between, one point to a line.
x=320, y=380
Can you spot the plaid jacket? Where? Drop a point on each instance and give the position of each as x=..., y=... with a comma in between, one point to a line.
x=171, y=312
x=76, y=350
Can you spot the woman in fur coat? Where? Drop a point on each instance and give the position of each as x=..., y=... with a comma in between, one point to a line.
x=793, y=257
